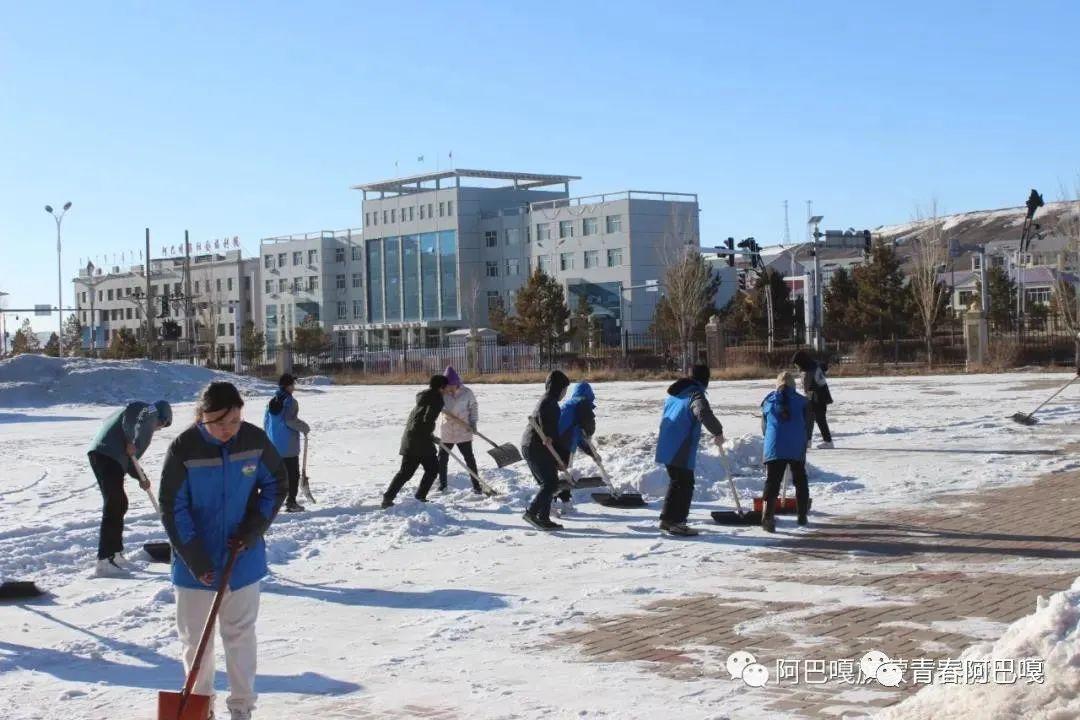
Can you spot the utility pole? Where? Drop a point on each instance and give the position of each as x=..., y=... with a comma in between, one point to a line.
x=59, y=276
x=189, y=329
x=149, y=302
x=813, y=225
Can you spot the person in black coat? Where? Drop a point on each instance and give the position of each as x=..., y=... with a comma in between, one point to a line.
x=539, y=457
x=418, y=442
x=816, y=387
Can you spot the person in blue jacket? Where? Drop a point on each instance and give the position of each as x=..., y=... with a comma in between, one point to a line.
x=221, y=487
x=577, y=423
x=787, y=420
x=284, y=429
x=686, y=410
x=126, y=434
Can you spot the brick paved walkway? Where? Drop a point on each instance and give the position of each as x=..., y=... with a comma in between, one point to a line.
x=912, y=577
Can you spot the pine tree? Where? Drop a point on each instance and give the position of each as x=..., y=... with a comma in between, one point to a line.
x=25, y=341
x=885, y=304
x=841, y=299
x=540, y=314
x=1002, y=297
x=52, y=347
x=310, y=338
x=749, y=312
x=124, y=346
x=73, y=337
x=581, y=322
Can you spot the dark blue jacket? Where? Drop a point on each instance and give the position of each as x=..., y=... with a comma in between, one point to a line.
x=577, y=418
x=212, y=491
x=785, y=421
x=685, y=411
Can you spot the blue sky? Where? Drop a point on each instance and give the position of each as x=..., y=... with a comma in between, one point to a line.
x=253, y=119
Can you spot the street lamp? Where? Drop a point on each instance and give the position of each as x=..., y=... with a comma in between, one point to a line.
x=814, y=222
x=59, y=218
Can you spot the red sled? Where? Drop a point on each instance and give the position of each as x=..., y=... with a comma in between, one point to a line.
x=784, y=506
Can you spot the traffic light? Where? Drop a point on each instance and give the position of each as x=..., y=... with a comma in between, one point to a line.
x=867, y=242
x=730, y=244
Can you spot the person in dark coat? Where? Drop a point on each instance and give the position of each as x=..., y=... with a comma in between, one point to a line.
x=577, y=425
x=786, y=421
x=816, y=387
x=283, y=426
x=418, y=442
x=125, y=435
x=686, y=410
x=538, y=453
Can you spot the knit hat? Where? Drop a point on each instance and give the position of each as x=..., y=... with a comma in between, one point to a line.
x=164, y=413
x=452, y=378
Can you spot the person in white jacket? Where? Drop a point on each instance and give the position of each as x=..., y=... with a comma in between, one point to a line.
x=457, y=430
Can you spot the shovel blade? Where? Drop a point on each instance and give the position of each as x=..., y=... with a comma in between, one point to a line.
x=1024, y=419
x=305, y=488
x=505, y=454
x=730, y=517
x=174, y=706
x=158, y=551
x=624, y=500
x=19, y=589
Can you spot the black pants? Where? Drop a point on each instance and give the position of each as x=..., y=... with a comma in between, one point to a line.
x=470, y=461
x=292, y=468
x=680, y=493
x=774, y=476
x=409, y=464
x=110, y=478
x=546, y=473
x=822, y=422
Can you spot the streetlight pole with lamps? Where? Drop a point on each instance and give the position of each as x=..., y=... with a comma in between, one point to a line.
x=814, y=222
x=59, y=218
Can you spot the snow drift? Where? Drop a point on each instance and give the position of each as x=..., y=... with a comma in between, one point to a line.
x=1052, y=634
x=39, y=381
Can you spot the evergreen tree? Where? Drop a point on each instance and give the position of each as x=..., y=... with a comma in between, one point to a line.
x=52, y=347
x=540, y=314
x=25, y=341
x=124, y=346
x=252, y=340
x=749, y=312
x=581, y=322
x=885, y=304
x=73, y=337
x=310, y=338
x=841, y=299
x=1002, y=292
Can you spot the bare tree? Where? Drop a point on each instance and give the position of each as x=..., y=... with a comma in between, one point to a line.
x=208, y=312
x=929, y=254
x=687, y=281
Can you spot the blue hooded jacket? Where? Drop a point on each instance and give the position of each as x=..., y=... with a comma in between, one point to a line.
x=784, y=418
x=212, y=491
x=685, y=410
x=577, y=419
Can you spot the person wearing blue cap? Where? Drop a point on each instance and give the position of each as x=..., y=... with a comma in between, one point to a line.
x=125, y=435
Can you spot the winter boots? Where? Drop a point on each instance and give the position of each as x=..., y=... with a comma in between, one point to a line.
x=827, y=445
x=114, y=566
x=540, y=523
x=768, y=516
x=680, y=529
x=293, y=506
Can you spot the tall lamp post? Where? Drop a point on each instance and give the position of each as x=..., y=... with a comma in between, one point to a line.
x=59, y=218
x=814, y=223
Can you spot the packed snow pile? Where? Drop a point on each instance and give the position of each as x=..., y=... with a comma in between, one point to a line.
x=40, y=381
x=1052, y=635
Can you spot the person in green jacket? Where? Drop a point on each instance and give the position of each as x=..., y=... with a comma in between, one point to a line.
x=418, y=442
x=126, y=434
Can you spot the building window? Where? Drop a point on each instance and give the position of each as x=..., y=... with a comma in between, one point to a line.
x=566, y=261
x=313, y=283
x=449, y=207
x=566, y=229
x=367, y=219
x=340, y=282
x=421, y=211
x=282, y=285
x=442, y=209
x=297, y=257
x=297, y=285
x=110, y=295
x=1037, y=296
x=356, y=254
x=221, y=329
x=513, y=236
x=232, y=330
x=176, y=288
x=375, y=218
x=100, y=295
x=590, y=226
x=339, y=255
x=385, y=216
x=356, y=308
x=614, y=257
x=268, y=262
x=128, y=313
x=492, y=268
x=614, y=223
x=592, y=259
x=341, y=310
x=228, y=284
x=493, y=300
x=312, y=257
x=543, y=231
x=127, y=291
x=356, y=279
x=393, y=215
x=269, y=287
x=491, y=238
x=528, y=234
x=430, y=210
x=281, y=259
x=543, y=264
x=411, y=208
x=218, y=284
x=196, y=287
x=513, y=267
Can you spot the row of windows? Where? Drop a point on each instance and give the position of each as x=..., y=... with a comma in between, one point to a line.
x=567, y=261
x=298, y=284
x=589, y=226
x=177, y=289
x=408, y=214
x=357, y=310
x=297, y=258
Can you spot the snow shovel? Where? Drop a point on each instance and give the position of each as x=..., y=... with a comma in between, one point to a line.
x=185, y=705
x=571, y=482
x=145, y=484
x=158, y=551
x=487, y=489
x=503, y=455
x=1029, y=419
x=614, y=498
x=305, y=487
x=738, y=517
x=19, y=590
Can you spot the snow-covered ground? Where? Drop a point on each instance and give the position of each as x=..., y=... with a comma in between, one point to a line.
x=448, y=605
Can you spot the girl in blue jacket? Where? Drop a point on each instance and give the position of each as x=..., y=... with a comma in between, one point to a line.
x=222, y=484
x=786, y=421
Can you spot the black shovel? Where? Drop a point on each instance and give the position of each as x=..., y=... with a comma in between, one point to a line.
x=158, y=551
x=1029, y=418
x=19, y=590
x=503, y=455
x=738, y=517
x=613, y=498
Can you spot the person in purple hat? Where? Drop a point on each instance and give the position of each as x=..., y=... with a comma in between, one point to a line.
x=458, y=428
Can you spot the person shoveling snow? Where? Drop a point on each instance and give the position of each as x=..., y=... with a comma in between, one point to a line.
x=284, y=428
x=418, y=442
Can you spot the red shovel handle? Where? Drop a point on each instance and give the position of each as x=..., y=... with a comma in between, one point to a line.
x=208, y=629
